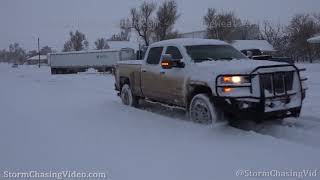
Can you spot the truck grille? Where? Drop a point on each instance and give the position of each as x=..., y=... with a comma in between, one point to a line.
x=277, y=83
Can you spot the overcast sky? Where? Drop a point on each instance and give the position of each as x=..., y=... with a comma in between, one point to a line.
x=23, y=21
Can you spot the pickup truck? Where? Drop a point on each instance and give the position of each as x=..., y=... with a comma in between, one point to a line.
x=257, y=54
x=209, y=78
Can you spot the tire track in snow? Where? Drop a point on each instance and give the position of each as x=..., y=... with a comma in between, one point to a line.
x=302, y=131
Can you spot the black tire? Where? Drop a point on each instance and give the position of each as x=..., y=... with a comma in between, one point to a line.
x=127, y=96
x=202, y=110
x=53, y=71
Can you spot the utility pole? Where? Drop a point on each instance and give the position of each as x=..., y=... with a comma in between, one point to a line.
x=39, y=50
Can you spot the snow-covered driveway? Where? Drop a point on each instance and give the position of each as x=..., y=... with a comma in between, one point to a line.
x=76, y=122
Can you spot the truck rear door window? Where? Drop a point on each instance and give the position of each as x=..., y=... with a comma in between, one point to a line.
x=174, y=51
x=154, y=55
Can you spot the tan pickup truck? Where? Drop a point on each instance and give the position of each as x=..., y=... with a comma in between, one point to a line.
x=210, y=77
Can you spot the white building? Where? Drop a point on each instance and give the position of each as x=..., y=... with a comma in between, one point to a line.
x=123, y=44
x=35, y=60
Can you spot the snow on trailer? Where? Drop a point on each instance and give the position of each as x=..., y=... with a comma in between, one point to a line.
x=80, y=61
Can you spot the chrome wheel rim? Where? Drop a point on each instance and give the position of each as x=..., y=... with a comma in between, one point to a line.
x=200, y=112
x=126, y=97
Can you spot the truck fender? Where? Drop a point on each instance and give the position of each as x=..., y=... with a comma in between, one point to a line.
x=197, y=87
x=123, y=81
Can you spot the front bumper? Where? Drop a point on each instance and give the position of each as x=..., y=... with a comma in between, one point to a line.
x=248, y=110
x=260, y=105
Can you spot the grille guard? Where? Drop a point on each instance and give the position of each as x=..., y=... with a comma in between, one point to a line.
x=254, y=73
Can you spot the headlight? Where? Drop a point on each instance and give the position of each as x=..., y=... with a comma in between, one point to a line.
x=234, y=80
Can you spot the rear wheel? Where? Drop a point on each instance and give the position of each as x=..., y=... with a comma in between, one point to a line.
x=201, y=110
x=127, y=97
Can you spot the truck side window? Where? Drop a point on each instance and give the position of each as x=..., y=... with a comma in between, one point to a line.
x=154, y=55
x=174, y=51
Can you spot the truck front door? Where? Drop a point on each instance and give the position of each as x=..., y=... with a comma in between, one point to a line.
x=172, y=80
x=150, y=74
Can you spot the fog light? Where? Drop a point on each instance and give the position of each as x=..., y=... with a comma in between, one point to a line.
x=226, y=90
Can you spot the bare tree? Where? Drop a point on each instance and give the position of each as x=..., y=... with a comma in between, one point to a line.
x=209, y=20
x=247, y=31
x=316, y=16
x=302, y=27
x=125, y=30
x=32, y=53
x=125, y=27
x=221, y=25
x=166, y=17
x=271, y=32
x=101, y=43
x=45, y=50
x=77, y=42
x=275, y=34
x=16, y=53
x=143, y=21
x=3, y=55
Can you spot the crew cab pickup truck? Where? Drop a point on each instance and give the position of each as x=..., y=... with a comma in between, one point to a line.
x=210, y=77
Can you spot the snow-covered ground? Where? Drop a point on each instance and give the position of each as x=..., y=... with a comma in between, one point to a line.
x=77, y=122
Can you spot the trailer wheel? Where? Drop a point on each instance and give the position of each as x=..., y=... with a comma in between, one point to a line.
x=127, y=97
x=202, y=110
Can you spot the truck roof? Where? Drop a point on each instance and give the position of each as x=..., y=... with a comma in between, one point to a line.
x=188, y=42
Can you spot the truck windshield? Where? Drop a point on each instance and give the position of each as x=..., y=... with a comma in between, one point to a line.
x=202, y=53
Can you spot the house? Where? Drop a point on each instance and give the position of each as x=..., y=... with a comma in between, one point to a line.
x=123, y=44
x=315, y=39
x=264, y=46
x=194, y=34
x=35, y=60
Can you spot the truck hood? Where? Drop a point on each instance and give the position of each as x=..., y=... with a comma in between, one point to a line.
x=242, y=66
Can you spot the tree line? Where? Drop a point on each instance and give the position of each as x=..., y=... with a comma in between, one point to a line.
x=152, y=23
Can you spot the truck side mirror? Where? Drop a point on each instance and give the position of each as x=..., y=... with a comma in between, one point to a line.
x=166, y=61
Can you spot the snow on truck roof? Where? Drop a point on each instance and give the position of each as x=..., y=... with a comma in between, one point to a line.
x=189, y=42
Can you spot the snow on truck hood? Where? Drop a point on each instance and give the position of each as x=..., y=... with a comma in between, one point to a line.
x=242, y=66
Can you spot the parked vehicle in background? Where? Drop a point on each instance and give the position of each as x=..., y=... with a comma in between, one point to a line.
x=80, y=61
x=15, y=65
x=257, y=54
x=209, y=78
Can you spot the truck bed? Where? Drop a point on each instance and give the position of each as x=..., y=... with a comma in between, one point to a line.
x=132, y=69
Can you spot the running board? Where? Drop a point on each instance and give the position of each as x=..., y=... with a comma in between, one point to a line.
x=165, y=105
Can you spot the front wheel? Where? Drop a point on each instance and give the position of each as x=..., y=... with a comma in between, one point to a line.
x=201, y=110
x=127, y=97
